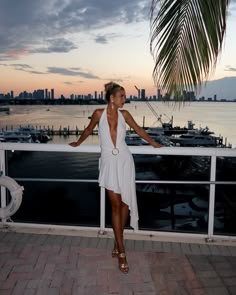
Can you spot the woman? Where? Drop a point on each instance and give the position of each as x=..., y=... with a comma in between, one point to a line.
x=117, y=171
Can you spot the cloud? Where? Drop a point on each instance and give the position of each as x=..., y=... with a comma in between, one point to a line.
x=56, y=45
x=74, y=71
x=104, y=39
x=28, y=26
x=22, y=66
x=71, y=72
x=73, y=83
x=230, y=69
x=101, y=39
x=36, y=72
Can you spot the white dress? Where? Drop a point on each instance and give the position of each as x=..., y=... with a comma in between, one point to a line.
x=117, y=171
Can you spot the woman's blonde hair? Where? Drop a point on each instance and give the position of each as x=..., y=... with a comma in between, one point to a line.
x=111, y=88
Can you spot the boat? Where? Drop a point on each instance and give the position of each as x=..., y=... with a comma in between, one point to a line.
x=26, y=134
x=133, y=139
x=38, y=135
x=154, y=131
x=196, y=139
x=14, y=136
x=2, y=139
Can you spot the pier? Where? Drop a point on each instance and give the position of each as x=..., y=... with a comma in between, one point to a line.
x=61, y=131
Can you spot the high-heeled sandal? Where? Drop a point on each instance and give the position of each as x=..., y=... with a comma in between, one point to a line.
x=124, y=267
x=114, y=253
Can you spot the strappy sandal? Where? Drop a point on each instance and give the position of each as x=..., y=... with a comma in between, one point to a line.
x=114, y=253
x=124, y=267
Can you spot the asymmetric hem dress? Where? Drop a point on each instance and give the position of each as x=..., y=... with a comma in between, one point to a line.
x=116, y=165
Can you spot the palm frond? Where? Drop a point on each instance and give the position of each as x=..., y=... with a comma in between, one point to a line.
x=186, y=39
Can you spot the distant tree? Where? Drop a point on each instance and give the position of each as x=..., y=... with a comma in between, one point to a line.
x=186, y=39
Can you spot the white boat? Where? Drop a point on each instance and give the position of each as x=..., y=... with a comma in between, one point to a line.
x=14, y=136
x=133, y=139
x=2, y=139
x=195, y=139
x=38, y=135
x=154, y=131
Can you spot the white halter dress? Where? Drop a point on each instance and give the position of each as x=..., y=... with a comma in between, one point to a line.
x=117, y=171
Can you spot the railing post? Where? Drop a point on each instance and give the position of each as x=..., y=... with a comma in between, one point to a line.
x=211, y=200
x=3, y=189
x=102, y=211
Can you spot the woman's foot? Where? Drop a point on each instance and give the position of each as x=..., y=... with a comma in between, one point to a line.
x=115, y=251
x=123, y=265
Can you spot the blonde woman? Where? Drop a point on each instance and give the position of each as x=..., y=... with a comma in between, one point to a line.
x=117, y=171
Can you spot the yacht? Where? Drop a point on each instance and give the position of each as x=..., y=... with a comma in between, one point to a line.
x=38, y=135
x=15, y=136
x=133, y=139
x=195, y=139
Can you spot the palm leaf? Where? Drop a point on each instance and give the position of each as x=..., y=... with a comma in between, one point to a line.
x=186, y=39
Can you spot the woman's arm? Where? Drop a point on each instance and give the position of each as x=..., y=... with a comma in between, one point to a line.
x=88, y=130
x=139, y=130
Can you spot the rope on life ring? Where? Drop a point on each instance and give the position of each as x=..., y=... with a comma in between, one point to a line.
x=16, y=192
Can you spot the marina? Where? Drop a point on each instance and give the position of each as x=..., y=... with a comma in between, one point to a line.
x=177, y=181
x=67, y=122
x=165, y=135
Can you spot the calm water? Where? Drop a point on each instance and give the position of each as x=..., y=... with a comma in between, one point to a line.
x=219, y=117
x=161, y=207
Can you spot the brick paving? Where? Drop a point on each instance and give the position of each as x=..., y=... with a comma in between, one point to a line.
x=35, y=264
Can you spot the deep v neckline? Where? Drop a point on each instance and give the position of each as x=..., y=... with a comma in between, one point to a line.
x=109, y=129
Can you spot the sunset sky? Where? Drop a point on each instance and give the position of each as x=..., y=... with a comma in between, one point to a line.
x=75, y=46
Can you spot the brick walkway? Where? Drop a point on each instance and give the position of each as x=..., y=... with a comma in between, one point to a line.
x=56, y=264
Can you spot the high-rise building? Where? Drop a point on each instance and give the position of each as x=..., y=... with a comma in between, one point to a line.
x=95, y=94
x=101, y=94
x=143, y=94
x=52, y=93
x=39, y=94
x=12, y=94
x=46, y=93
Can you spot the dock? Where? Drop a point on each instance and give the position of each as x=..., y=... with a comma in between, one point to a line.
x=51, y=131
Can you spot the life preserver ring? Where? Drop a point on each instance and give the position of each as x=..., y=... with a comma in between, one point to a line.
x=16, y=192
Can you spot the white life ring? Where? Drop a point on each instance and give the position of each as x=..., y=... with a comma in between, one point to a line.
x=16, y=192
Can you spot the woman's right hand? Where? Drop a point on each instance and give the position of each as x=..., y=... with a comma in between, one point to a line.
x=74, y=144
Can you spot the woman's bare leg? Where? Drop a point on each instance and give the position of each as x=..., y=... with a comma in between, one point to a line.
x=119, y=217
x=116, y=216
x=124, y=215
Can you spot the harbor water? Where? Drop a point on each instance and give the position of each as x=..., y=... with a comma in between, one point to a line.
x=162, y=207
x=218, y=116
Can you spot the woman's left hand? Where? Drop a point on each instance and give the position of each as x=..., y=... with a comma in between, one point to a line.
x=157, y=145
x=74, y=144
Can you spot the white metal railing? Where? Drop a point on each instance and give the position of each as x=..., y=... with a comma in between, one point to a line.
x=213, y=153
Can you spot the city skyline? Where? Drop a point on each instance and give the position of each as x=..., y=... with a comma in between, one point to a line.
x=49, y=94
x=77, y=46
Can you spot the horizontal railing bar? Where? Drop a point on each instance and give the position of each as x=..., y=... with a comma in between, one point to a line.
x=186, y=182
x=55, y=180
x=137, y=181
x=150, y=233
x=84, y=148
